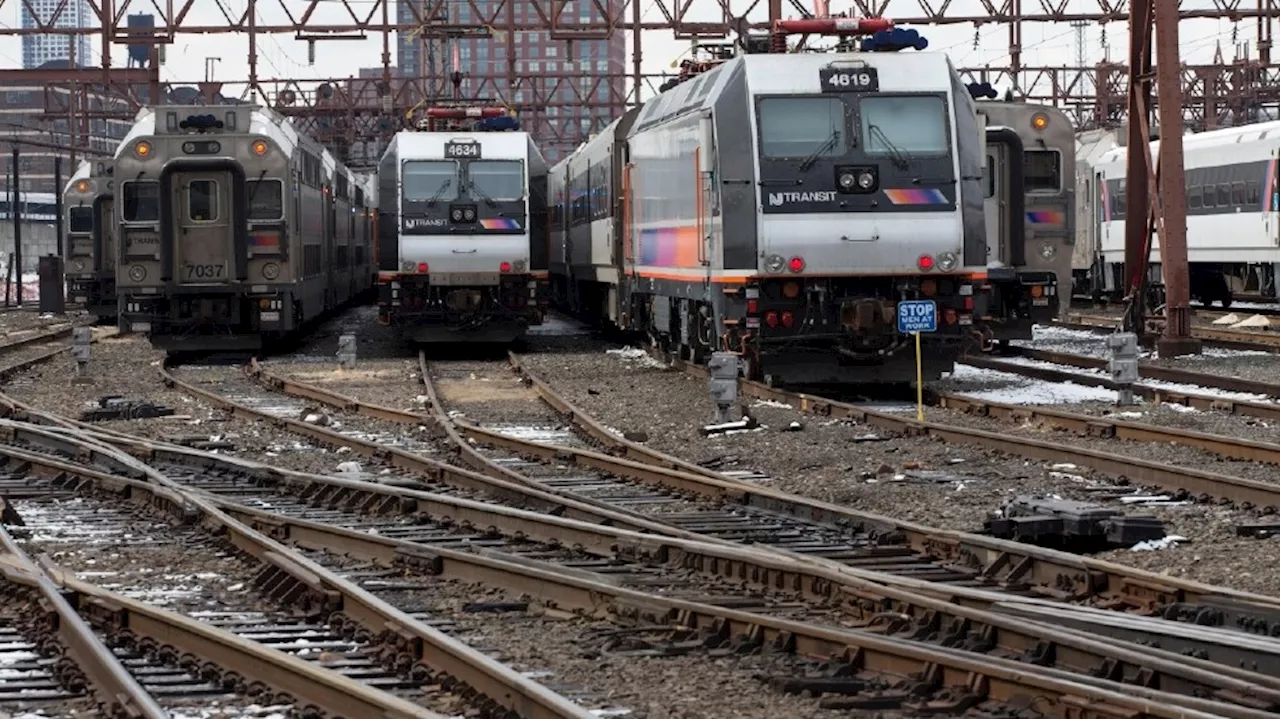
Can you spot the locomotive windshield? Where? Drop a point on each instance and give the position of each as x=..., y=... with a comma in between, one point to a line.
x=80, y=219
x=266, y=200
x=1042, y=170
x=141, y=201
x=915, y=125
x=425, y=180
x=801, y=126
x=496, y=179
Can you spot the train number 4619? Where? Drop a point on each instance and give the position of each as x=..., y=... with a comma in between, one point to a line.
x=203, y=272
x=842, y=79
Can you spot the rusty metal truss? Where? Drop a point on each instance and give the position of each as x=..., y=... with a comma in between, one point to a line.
x=353, y=115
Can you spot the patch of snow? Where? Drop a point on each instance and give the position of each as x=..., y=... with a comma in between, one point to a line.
x=1027, y=391
x=1171, y=386
x=771, y=403
x=635, y=354
x=1153, y=545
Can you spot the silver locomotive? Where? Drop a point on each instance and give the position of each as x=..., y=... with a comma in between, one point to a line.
x=89, y=252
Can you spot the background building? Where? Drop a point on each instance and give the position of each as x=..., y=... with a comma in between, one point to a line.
x=40, y=49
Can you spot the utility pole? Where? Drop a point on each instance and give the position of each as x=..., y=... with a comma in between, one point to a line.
x=57, y=201
x=17, y=222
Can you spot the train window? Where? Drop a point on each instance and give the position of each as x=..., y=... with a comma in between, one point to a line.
x=1042, y=171
x=266, y=199
x=1224, y=195
x=426, y=180
x=914, y=124
x=496, y=179
x=202, y=201
x=1253, y=194
x=141, y=201
x=1210, y=195
x=1194, y=194
x=1237, y=194
x=800, y=126
x=80, y=219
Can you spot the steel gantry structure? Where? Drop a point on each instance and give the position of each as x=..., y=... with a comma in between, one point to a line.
x=351, y=112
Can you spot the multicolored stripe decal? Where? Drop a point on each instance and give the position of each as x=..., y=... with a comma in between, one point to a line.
x=499, y=223
x=1269, y=189
x=669, y=247
x=264, y=241
x=916, y=197
x=1045, y=217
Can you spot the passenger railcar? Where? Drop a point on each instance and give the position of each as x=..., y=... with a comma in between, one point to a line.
x=89, y=252
x=234, y=230
x=463, y=252
x=780, y=207
x=1028, y=265
x=1233, y=213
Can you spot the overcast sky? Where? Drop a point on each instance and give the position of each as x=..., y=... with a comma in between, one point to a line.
x=282, y=56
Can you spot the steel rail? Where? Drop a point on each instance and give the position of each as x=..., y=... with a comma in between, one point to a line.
x=866, y=595
x=414, y=638
x=9, y=370
x=1232, y=339
x=624, y=468
x=115, y=687
x=585, y=595
x=1154, y=372
x=877, y=652
x=1151, y=393
x=1068, y=574
x=524, y=494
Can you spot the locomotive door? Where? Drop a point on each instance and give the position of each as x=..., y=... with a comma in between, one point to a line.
x=204, y=235
x=995, y=197
x=106, y=211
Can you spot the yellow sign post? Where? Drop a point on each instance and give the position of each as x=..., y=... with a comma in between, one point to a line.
x=914, y=317
x=919, y=383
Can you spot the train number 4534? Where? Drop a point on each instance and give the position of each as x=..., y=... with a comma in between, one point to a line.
x=203, y=272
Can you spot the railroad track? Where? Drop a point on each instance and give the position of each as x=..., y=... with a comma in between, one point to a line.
x=736, y=523
x=890, y=672
x=354, y=664
x=1221, y=337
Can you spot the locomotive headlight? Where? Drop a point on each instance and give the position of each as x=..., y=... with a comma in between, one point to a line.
x=866, y=180
x=82, y=186
x=846, y=180
x=518, y=266
x=469, y=215
x=1047, y=250
x=78, y=265
x=456, y=215
x=775, y=263
x=137, y=273
x=946, y=261
x=271, y=270
x=407, y=266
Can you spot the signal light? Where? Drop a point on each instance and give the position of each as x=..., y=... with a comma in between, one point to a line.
x=925, y=262
x=422, y=267
x=142, y=149
x=928, y=287
x=259, y=147
x=1039, y=121
x=1037, y=291
x=753, y=306
x=788, y=319
x=791, y=290
x=82, y=186
x=796, y=264
x=968, y=303
x=504, y=267
x=771, y=319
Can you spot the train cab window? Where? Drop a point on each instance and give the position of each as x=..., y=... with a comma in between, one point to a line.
x=797, y=127
x=141, y=201
x=202, y=201
x=1237, y=194
x=496, y=179
x=1042, y=171
x=1253, y=194
x=1224, y=195
x=429, y=180
x=80, y=219
x=266, y=199
x=1194, y=195
x=912, y=124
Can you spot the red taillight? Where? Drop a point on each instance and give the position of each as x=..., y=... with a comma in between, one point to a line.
x=422, y=267
x=753, y=306
x=968, y=303
x=504, y=267
x=796, y=264
x=925, y=262
x=771, y=319
x=788, y=319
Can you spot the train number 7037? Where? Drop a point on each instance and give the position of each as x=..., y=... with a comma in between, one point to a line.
x=203, y=272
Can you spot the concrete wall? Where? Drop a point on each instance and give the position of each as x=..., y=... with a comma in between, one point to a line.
x=37, y=240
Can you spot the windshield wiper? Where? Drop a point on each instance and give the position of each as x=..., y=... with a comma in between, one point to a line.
x=439, y=193
x=827, y=144
x=476, y=189
x=900, y=158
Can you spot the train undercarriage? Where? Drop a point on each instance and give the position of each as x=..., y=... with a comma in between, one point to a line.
x=496, y=309
x=212, y=319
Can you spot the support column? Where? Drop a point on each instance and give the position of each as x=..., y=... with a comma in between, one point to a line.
x=1137, y=175
x=1177, y=338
